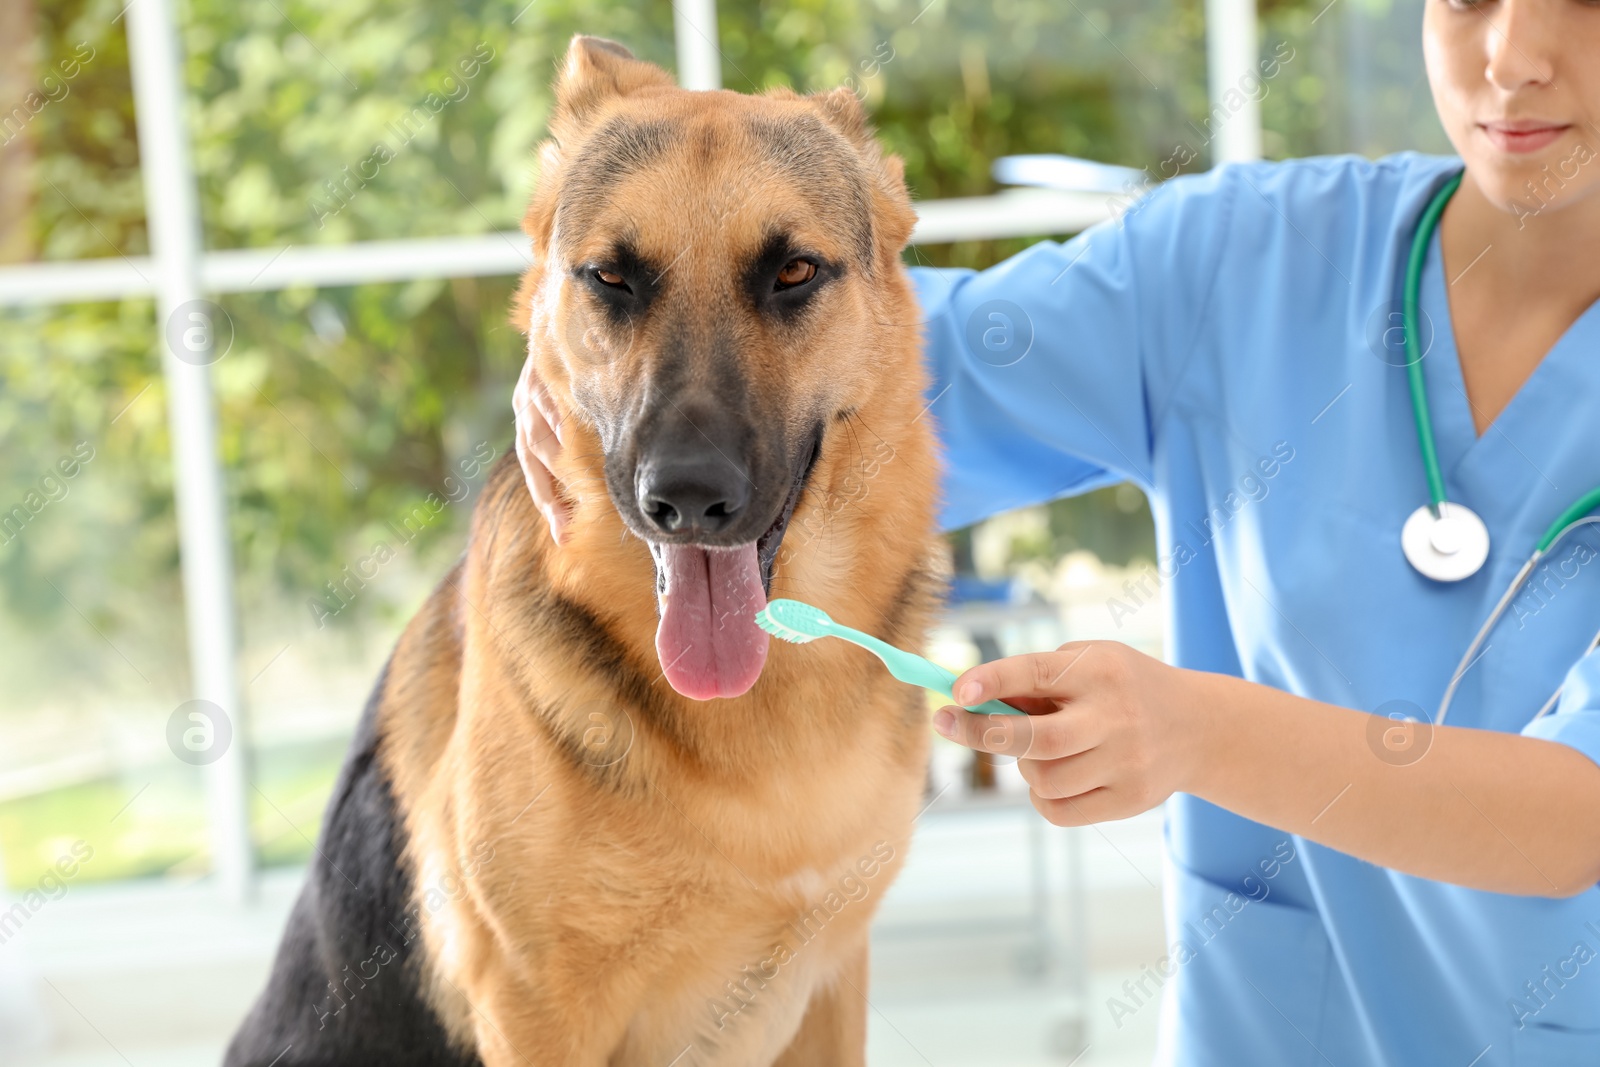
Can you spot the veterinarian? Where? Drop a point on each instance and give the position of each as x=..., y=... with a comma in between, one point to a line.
x=1344, y=490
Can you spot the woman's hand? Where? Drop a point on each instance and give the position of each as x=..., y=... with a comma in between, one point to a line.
x=538, y=444
x=1110, y=732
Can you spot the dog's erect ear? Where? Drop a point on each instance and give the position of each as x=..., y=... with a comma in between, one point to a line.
x=597, y=70
x=594, y=72
x=842, y=110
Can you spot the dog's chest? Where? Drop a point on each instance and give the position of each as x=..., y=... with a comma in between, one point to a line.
x=733, y=1015
x=739, y=995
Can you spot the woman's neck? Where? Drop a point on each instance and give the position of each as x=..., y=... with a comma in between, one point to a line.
x=1516, y=283
x=1537, y=252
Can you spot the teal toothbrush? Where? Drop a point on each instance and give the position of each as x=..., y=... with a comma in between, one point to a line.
x=799, y=623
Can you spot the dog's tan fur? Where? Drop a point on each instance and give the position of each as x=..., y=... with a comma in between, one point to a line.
x=655, y=865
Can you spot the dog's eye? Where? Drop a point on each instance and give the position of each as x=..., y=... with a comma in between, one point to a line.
x=796, y=272
x=611, y=278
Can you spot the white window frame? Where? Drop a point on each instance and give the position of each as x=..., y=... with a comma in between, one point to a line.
x=179, y=270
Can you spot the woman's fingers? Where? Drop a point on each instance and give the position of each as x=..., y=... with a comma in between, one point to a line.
x=538, y=418
x=542, y=487
x=546, y=404
x=1074, y=778
x=538, y=441
x=1095, y=806
x=1069, y=776
x=1038, y=674
x=1048, y=736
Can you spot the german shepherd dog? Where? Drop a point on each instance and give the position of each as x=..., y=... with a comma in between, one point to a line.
x=591, y=817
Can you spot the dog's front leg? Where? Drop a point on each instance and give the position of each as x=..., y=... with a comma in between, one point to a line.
x=834, y=1030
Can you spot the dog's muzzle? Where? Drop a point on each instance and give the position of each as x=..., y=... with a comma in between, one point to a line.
x=710, y=578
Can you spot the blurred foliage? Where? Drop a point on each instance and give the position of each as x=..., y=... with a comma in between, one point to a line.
x=1113, y=523
x=952, y=87
x=89, y=201
x=1356, y=82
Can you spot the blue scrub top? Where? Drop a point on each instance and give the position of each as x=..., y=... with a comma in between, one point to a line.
x=1232, y=346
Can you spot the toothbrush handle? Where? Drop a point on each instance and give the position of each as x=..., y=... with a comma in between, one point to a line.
x=918, y=670
x=882, y=649
x=995, y=707
x=988, y=707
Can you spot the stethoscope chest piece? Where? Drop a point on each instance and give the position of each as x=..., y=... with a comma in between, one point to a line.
x=1446, y=547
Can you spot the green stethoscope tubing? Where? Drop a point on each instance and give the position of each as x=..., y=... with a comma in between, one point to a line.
x=1411, y=314
x=1574, y=516
x=1570, y=517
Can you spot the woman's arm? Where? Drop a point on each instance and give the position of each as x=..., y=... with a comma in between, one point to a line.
x=1112, y=732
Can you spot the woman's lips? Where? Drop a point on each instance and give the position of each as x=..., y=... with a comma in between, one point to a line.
x=1521, y=137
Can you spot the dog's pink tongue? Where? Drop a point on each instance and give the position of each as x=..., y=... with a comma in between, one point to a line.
x=708, y=640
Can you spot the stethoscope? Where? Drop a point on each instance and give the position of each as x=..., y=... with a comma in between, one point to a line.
x=1444, y=540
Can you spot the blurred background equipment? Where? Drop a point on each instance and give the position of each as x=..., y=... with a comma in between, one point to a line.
x=255, y=263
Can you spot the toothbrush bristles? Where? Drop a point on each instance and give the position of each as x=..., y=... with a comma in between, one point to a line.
x=777, y=629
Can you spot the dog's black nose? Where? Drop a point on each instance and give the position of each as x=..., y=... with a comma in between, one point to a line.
x=698, y=495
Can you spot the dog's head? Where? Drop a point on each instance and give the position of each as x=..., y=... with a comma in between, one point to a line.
x=716, y=282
